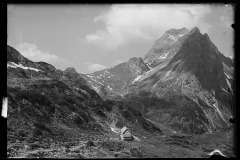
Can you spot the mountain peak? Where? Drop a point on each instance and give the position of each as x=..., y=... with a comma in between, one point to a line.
x=195, y=30
x=205, y=35
x=177, y=31
x=14, y=56
x=207, y=39
x=162, y=46
x=70, y=70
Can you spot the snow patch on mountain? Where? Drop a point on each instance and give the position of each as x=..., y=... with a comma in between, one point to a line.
x=149, y=66
x=219, y=112
x=163, y=56
x=116, y=130
x=228, y=71
x=229, y=85
x=172, y=37
x=106, y=72
x=93, y=78
x=150, y=72
x=14, y=65
x=176, y=37
x=136, y=79
x=224, y=90
x=89, y=75
x=95, y=88
x=227, y=75
x=180, y=35
x=167, y=74
x=109, y=87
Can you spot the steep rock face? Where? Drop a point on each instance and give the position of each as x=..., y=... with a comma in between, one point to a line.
x=165, y=47
x=200, y=57
x=228, y=61
x=137, y=66
x=117, y=79
x=192, y=69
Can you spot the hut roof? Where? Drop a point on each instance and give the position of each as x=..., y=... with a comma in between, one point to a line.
x=124, y=129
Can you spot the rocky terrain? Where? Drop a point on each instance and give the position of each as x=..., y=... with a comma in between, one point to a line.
x=114, y=82
x=170, y=100
x=48, y=106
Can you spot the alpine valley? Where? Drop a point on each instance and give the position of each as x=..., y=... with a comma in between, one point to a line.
x=176, y=102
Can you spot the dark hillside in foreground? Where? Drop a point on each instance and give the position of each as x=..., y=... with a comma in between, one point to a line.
x=49, y=106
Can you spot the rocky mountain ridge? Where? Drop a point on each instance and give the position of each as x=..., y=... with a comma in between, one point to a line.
x=184, y=65
x=116, y=79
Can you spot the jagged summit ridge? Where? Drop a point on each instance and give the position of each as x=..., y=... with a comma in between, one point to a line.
x=195, y=29
x=168, y=45
x=177, y=31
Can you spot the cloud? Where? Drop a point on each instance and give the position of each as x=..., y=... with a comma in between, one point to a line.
x=118, y=62
x=227, y=21
x=32, y=52
x=92, y=67
x=125, y=23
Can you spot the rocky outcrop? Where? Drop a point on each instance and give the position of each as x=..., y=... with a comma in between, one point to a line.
x=71, y=70
x=137, y=66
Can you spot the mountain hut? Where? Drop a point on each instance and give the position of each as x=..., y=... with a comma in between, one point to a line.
x=126, y=134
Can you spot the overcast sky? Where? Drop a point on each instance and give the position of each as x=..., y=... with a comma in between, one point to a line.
x=93, y=37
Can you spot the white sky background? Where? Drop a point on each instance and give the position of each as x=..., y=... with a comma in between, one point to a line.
x=94, y=37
